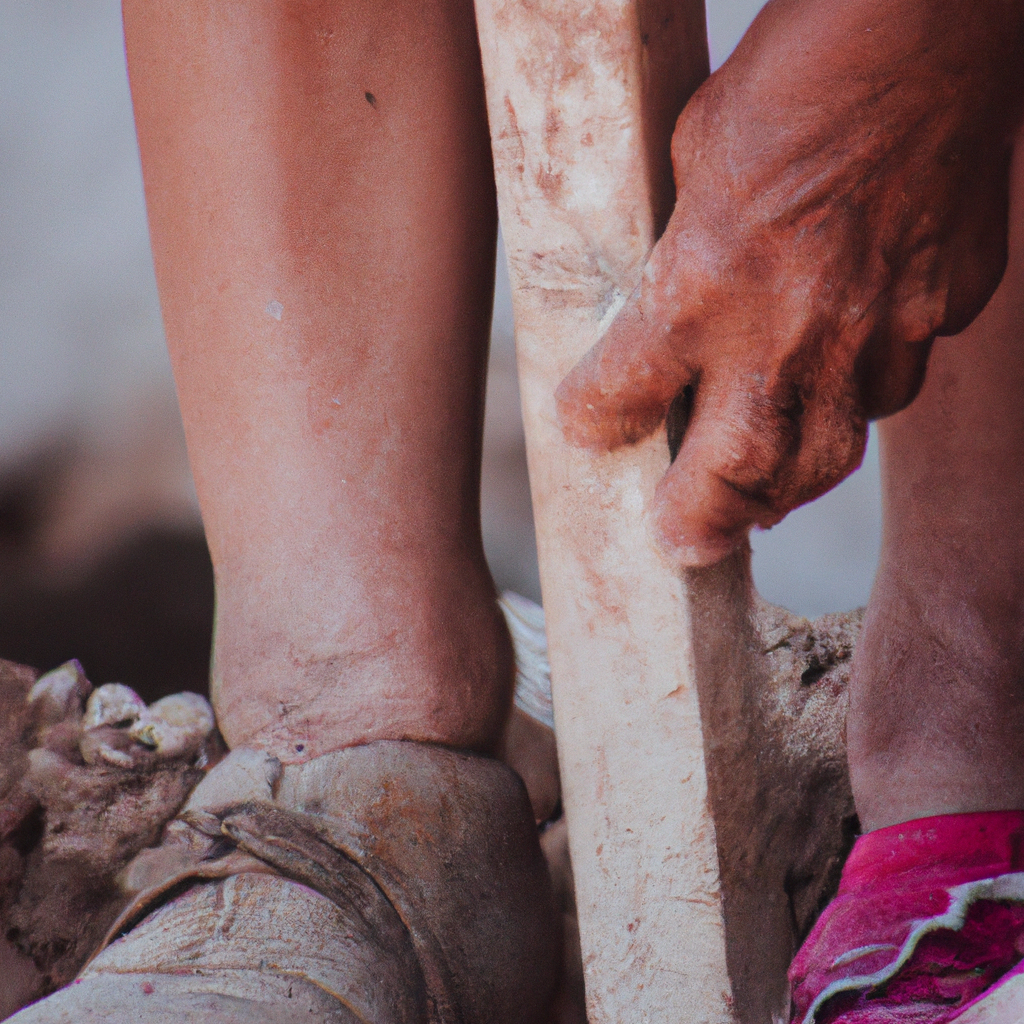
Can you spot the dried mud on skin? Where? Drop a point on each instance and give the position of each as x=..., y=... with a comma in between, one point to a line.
x=778, y=784
x=68, y=828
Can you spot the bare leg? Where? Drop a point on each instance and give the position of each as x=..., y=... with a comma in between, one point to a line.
x=937, y=717
x=323, y=220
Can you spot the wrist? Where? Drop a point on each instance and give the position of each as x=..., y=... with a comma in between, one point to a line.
x=879, y=63
x=825, y=99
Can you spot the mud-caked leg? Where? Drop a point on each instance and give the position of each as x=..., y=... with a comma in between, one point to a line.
x=322, y=212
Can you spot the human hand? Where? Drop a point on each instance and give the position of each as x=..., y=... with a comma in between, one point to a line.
x=842, y=185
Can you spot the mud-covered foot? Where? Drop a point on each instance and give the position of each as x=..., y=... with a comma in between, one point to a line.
x=389, y=882
x=89, y=777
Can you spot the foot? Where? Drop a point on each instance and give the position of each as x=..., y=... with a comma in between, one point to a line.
x=372, y=831
x=88, y=778
x=392, y=882
x=927, y=925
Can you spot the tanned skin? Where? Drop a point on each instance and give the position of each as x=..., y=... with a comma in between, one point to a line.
x=321, y=206
x=322, y=213
x=936, y=723
x=842, y=196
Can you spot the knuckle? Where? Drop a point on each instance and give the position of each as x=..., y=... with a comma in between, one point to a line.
x=759, y=436
x=833, y=448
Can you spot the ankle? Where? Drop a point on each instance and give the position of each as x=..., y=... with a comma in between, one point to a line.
x=936, y=721
x=432, y=666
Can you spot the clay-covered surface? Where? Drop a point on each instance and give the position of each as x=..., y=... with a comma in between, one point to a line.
x=78, y=801
x=576, y=103
x=403, y=880
x=774, y=715
x=773, y=695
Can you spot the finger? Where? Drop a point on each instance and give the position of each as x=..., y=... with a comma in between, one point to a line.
x=727, y=474
x=620, y=390
x=890, y=374
x=981, y=242
x=833, y=437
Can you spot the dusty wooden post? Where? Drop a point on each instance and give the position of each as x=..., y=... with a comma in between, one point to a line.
x=582, y=97
x=700, y=731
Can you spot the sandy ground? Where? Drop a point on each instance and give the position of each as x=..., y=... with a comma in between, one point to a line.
x=101, y=554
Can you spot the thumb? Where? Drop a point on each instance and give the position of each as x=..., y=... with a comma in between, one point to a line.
x=619, y=392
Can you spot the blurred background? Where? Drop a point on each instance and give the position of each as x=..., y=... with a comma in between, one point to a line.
x=101, y=549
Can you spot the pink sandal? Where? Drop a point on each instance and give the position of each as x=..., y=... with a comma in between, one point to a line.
x=927, y=928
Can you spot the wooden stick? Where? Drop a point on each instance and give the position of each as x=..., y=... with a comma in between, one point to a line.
x=701, y=731
x=582, y=97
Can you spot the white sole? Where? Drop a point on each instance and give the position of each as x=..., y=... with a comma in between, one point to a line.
x=1004, y=1006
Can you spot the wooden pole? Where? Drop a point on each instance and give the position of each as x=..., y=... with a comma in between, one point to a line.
x=701, y=732
x=582, y=98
